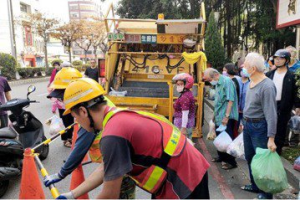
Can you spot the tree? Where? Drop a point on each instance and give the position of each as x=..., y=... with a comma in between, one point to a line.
x=67, y=35
x=91, y=34
x=99, y=39
x=43, y=25
x=213, y=43
x=84, y=36
x=175, y=9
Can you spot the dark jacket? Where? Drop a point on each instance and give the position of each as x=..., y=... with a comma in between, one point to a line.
x=289, y=96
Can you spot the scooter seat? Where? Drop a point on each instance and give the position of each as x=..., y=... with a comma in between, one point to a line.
x=7, y=133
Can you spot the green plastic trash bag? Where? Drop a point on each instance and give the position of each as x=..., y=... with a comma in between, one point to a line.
x=268, y=172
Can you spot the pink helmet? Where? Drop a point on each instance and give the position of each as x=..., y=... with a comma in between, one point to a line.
x=186, y=78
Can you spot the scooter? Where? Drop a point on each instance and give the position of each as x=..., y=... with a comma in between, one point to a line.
x=25, y=131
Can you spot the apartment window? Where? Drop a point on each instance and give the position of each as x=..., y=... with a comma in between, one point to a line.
x=77, y=52
x=87, y=7
x=25, y=8
x=73, y=7
x=74, y=15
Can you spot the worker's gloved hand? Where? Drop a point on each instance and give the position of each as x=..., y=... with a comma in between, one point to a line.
x=68, y=195
x=53, y=178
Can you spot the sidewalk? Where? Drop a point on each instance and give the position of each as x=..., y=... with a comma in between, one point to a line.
x=293, y=175
x=29, y=80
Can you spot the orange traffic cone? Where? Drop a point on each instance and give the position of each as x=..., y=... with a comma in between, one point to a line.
x=74, y=138
x=77, y=179
x=31, y=187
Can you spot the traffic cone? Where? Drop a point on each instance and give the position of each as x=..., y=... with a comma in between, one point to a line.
x=31, y=187
x=77, y=179
x=74, y=138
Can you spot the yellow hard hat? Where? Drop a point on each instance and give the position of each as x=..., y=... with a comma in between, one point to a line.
x=64, y=77
x=80, y=91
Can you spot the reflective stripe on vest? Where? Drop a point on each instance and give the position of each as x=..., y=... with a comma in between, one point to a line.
x=153, y=177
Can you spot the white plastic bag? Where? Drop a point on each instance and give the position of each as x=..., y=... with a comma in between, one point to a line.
x=56, y=125
x=117, y=93
x=212, y=132
x=222, y=141
x=236, y=148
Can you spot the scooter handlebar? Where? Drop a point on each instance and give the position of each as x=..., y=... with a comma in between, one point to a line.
x=34, y=101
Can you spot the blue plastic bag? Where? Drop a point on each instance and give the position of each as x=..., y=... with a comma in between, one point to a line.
x=268, y=172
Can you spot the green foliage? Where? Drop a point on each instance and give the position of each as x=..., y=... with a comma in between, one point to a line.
x=49, y=71
x=179, y=9
x=297, y=76
x=78, y=63
x=9, y=65
x=30, y=72
x=56, y=60
x=213, y=44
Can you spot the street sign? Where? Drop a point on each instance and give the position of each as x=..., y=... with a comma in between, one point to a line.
x=170, y=39
x=149, y=39
x=115, y=36
x=133, y=38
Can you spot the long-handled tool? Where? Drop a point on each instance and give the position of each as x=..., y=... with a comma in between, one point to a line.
x=53, y=189
x=54, y=137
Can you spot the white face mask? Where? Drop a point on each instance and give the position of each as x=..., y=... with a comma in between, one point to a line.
x=180, y=88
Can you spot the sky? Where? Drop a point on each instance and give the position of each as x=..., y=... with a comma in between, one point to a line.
x=59, y=8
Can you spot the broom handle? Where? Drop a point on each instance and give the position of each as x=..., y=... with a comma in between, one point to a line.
x=53, y=189
x=53, y=137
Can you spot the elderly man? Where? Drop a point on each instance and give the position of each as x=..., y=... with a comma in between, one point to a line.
x=294, y=63
x=260, y=114
x=225, y=111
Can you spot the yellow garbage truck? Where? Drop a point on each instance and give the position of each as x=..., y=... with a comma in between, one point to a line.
x=145, y=54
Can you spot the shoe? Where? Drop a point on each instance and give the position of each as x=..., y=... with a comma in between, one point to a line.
x=67, y=144
x=249, y=188
x=264, y=196
x=228, y=166
x=216, y=160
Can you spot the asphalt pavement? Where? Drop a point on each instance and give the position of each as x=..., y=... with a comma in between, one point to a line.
x=223, y=184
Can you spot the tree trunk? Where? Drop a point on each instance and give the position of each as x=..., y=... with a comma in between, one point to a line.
x=70, y=56
x=46, y=53
x=95, y=52
x=229, y=35
x=85, y=56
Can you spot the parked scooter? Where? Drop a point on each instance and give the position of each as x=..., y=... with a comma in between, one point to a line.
x=24, y=132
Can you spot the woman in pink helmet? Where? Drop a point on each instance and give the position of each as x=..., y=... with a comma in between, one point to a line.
x=184, y=106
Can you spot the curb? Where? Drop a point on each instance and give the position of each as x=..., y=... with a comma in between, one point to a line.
x=26, y=81
x=293, y=176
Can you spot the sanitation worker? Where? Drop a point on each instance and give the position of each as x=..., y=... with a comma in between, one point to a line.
x=86, y=142
x=144, y=146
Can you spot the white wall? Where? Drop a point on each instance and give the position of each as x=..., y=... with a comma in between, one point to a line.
x=5, y=42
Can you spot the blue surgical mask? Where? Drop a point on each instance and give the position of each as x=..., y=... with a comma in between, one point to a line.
x=214, y=82
x=245, y=73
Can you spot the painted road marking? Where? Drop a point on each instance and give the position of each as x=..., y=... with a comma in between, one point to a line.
x=215, y=172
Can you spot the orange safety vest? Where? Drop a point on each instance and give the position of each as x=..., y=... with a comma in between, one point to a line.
x=152, y=178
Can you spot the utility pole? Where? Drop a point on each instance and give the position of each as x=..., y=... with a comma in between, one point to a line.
x=12, y=29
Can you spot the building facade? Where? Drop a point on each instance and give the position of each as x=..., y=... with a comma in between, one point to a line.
x=29, y=46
